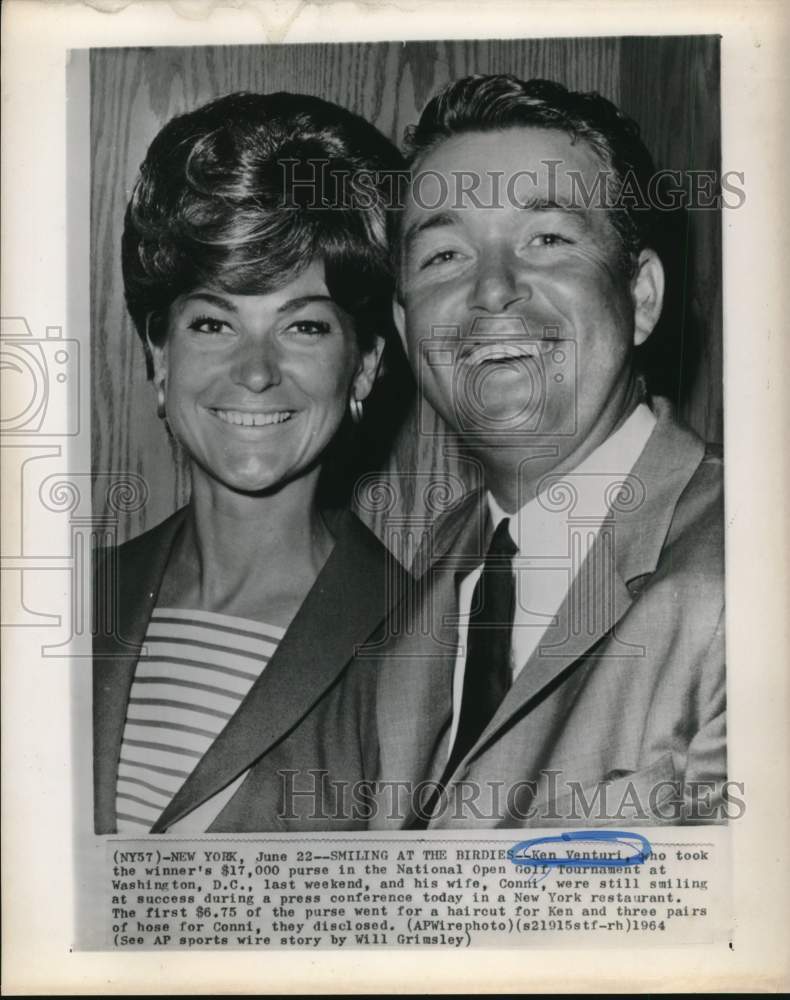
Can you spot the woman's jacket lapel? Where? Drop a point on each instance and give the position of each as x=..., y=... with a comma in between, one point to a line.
x=347, y=602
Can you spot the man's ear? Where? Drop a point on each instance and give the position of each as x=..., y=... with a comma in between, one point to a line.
x=647, y=294
x=368, y=370
x=399, y=318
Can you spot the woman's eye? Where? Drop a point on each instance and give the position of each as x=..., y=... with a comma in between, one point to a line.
x=311, y=327
x=547, y=240
x=208, y=324
x=443, y=257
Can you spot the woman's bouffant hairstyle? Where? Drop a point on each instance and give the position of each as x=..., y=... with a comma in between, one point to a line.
x=491, y=103
x=245, y=192
x=241, y=195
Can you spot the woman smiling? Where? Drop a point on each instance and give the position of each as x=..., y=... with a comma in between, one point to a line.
x=260, y=284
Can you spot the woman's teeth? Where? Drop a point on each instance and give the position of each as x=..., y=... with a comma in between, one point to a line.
x=244, y=418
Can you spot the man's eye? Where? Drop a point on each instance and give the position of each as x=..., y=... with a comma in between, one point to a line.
x=547, y=240
x=208, y=324
x=311, y=327
x=443, y=257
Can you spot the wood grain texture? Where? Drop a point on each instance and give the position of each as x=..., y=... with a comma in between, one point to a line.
x=683, y=132
x=669, y=85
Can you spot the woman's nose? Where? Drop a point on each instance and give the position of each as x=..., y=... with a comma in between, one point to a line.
x=256, y=366
x=499, y=284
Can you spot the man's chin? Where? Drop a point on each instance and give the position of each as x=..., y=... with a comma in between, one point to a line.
x=514, y=432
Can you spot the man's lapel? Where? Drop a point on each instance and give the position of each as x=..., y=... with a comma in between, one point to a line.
x=462, y=529
x=126, y=585
x=345, y=605
x=627, y=548
x=414, y=698
x=598, y=598
x=415, y=686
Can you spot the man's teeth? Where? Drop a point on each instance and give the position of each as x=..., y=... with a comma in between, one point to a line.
x=498, y=352
x=243, y=418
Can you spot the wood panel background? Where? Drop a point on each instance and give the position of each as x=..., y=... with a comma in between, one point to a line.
x=669, y=85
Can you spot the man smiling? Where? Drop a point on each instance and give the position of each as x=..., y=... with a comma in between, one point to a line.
x=568, y=663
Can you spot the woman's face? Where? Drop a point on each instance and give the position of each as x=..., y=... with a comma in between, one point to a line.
x=256, y=385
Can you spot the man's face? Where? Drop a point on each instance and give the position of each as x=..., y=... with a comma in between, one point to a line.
x=518, y=315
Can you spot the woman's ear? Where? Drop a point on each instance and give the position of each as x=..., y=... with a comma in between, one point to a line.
x=647, y=294
x=158, y=356
x=158, y=359
x=368, y=370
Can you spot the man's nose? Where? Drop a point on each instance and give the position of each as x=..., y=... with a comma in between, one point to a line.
x=256, y=366
x=499, y=284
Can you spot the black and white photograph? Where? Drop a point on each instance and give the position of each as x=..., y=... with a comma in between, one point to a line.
x=383, y=541
x=498, y=604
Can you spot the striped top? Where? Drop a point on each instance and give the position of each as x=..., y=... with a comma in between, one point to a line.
x=196, y=670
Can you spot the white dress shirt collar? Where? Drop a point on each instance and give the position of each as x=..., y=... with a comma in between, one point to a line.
x=615, y=457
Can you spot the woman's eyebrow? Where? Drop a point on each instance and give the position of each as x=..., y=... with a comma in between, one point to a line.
x=223, y=303
x=303, y=300
x=216, y=300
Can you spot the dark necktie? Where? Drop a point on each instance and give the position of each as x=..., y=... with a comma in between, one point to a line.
x=487, y=673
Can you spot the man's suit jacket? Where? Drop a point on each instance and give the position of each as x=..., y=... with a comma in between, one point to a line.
x=310, y=710
x=625, y=694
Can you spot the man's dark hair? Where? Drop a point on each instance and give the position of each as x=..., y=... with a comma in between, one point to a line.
x=492, y=103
